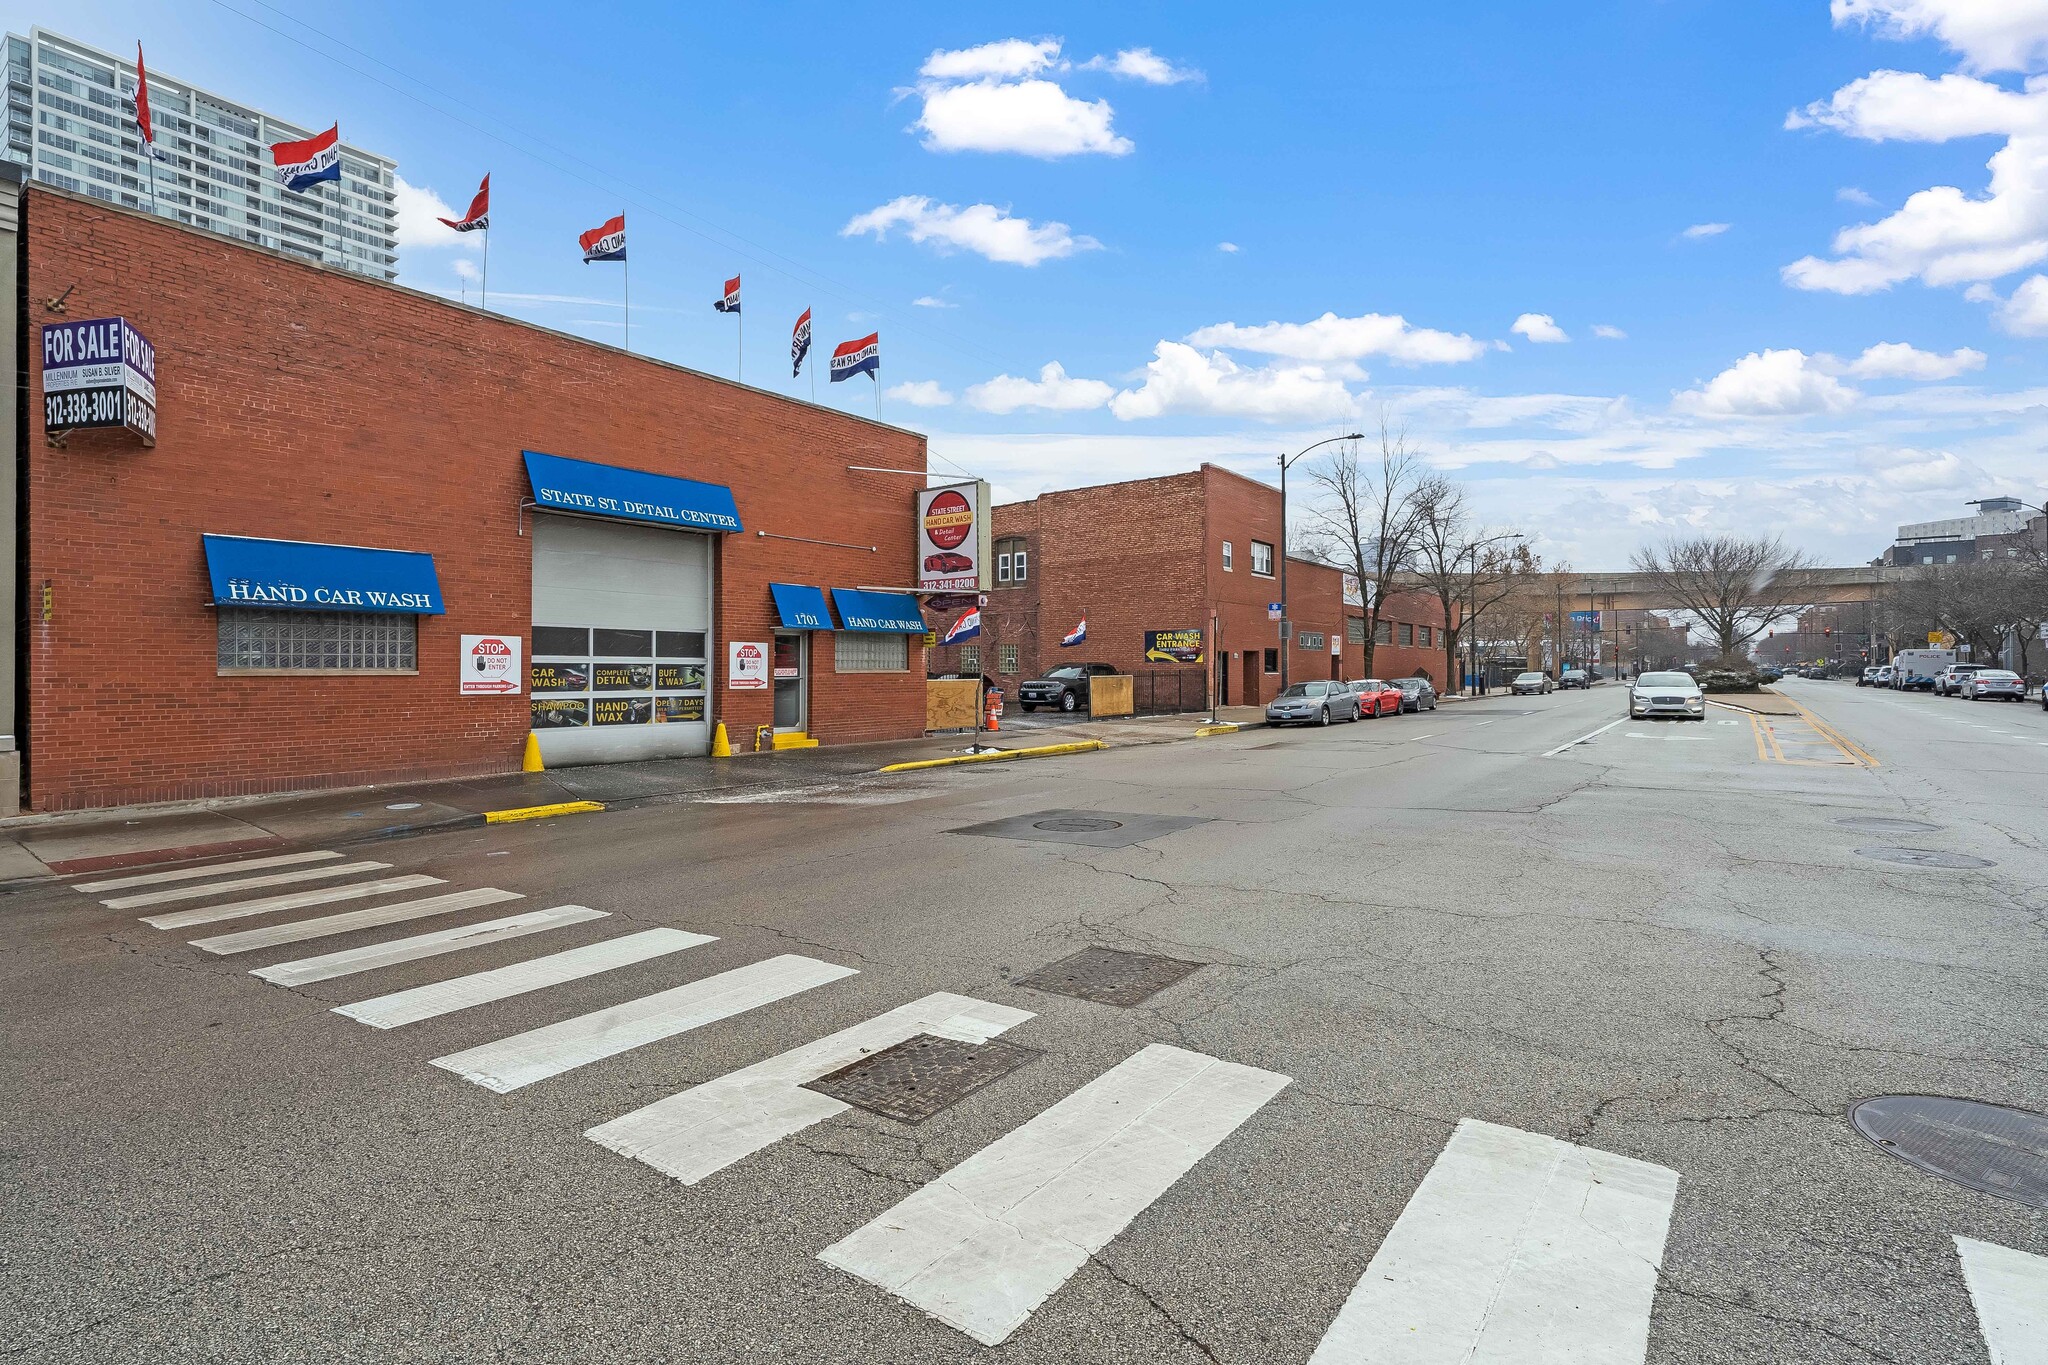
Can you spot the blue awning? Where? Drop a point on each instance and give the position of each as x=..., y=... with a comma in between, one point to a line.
x=801, y=608
x=603, y=490
x=303, y=575
x=889, y=613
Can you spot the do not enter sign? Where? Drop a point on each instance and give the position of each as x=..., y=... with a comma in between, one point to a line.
x=490, y=665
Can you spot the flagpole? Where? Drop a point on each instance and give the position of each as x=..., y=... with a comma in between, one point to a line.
x=740, y=365
x=877, y=377
x=149, y=149
x=485, y=292
x=626, y=266
x=811, y=364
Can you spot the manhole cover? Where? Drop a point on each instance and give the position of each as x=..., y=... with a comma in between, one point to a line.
x=1094, y=828
x=1922, y=857
x=1110, y=977
x=1985, y=1146
x=1885, y=824
x=920, y=1076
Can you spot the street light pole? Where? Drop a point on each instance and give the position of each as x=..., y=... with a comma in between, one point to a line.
x=1286, y=621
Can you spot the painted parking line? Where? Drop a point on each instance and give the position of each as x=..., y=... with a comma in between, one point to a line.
x=708, y=1127
x=298, y=931
x=2010, y=1291
x=501, y=983
x=188, y=874
x=1515, y=1247
x=1553, y=753
x=290, y=900
x=522, y=1059
x=985, y=1244
x=349, y=961
x=189, y=893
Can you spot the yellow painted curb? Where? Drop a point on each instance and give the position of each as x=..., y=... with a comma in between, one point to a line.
x=1840, y=740
x=999, y=755
x=500, y=817
x=1227, y=727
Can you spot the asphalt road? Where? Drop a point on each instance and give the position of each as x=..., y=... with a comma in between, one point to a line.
x=1647, y=940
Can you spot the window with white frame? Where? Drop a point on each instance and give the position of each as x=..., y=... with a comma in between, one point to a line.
x=1227, y=565
x=1262, y=559
x=264, y=641
x=861, y=651
x=1013, y=560
x=1003, y=567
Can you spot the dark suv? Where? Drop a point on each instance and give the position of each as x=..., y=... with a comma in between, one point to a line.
x=1065, y=687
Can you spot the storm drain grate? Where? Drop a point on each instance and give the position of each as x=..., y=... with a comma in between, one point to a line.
x=1884, y=824
x=1110, y=977
x=922, y=1075
x=1094, y=828
x=1922, y=857
x=1986, y=1147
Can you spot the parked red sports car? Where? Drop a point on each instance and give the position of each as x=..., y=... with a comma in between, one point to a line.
x=1376, y=698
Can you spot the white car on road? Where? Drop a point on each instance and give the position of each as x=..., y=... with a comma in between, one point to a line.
x=1666, y=694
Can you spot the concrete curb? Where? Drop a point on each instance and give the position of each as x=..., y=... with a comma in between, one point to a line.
x=999, y=756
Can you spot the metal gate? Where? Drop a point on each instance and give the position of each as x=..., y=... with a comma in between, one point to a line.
x=1164, y=691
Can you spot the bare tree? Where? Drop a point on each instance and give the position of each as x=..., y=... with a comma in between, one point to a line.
x=1982, y=603
x=1367, y=515
x=1735, y=586
x=1469, y=571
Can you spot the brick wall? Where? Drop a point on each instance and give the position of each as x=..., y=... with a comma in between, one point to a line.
x=304, y=403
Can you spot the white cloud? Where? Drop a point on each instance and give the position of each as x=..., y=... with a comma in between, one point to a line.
x=930, y=301
x=1609, y=332
x=1698, y=231
x=1940, y=235
x=467, y=270
x=1992, y=35
x=1008, y=59
x=1331, y=338
x=1181, y=379
x=1897, y=360
x=1539, y=327
x=1768, y=384
x=1052, y=391
x=1143, y=64
x=1849, y=194
x=1231, y=248
x=981, y=228
x=2025, y=314
x=922, y=393
x=418, y=209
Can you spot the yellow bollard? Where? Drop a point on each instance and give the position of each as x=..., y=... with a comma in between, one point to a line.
x=721, y=747
x=530, y=761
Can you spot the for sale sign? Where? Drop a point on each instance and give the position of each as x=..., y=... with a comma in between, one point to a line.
x=100, y=372
x=953, y=538
x=490, y=665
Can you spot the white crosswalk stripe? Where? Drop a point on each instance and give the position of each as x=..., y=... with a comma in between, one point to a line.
x=290, y=900
x=1515, y=1248
x=349, y=961
x=706, y=1128
x=272, y=935
x=509, y=1063
x=188, y=874
x=500, y=983
x=189, y=893
x=2010, y=1291
x=983, y=1245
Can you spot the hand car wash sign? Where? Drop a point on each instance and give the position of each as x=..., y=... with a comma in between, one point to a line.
x=952, y=538
x=98, y=373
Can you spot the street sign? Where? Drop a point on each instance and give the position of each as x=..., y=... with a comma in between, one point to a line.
x=1272, y=611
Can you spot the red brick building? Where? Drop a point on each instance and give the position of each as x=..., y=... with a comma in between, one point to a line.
x=1173, y=554
x=302, y=412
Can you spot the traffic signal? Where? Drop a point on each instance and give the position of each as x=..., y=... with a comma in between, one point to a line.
x=1827, y=632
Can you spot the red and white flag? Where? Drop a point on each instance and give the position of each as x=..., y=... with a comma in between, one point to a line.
x=142, y=121
x=730, y=303
x=479, y=215
x=799, y=344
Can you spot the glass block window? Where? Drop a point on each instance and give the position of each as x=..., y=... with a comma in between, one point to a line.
x=860, y=651
x=1006, y=658
x=316, y=642
x=1354, y=630
x=970, y=659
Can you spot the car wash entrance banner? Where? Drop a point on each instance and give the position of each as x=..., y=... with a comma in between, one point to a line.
x=98, y=373
x=953, y=538
x=1173, y=646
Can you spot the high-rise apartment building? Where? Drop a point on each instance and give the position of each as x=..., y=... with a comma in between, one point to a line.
x=71, y=121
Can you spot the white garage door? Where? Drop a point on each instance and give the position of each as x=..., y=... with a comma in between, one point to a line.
x=621, y=639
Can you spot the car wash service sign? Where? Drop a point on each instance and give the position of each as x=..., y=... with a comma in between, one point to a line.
x=98, y=373
x=952, y=538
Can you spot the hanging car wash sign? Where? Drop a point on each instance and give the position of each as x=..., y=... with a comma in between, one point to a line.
x=1173, y=646
x=952, y=538
x=98, y=373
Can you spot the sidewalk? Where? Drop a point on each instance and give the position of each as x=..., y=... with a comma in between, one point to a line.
x=72, y=842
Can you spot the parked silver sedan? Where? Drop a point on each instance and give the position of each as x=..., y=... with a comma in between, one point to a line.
x=1666, y=694
x=1990, y=683
x=1313, y=703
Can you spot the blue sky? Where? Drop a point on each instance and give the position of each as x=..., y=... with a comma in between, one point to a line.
x=1432, y=209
